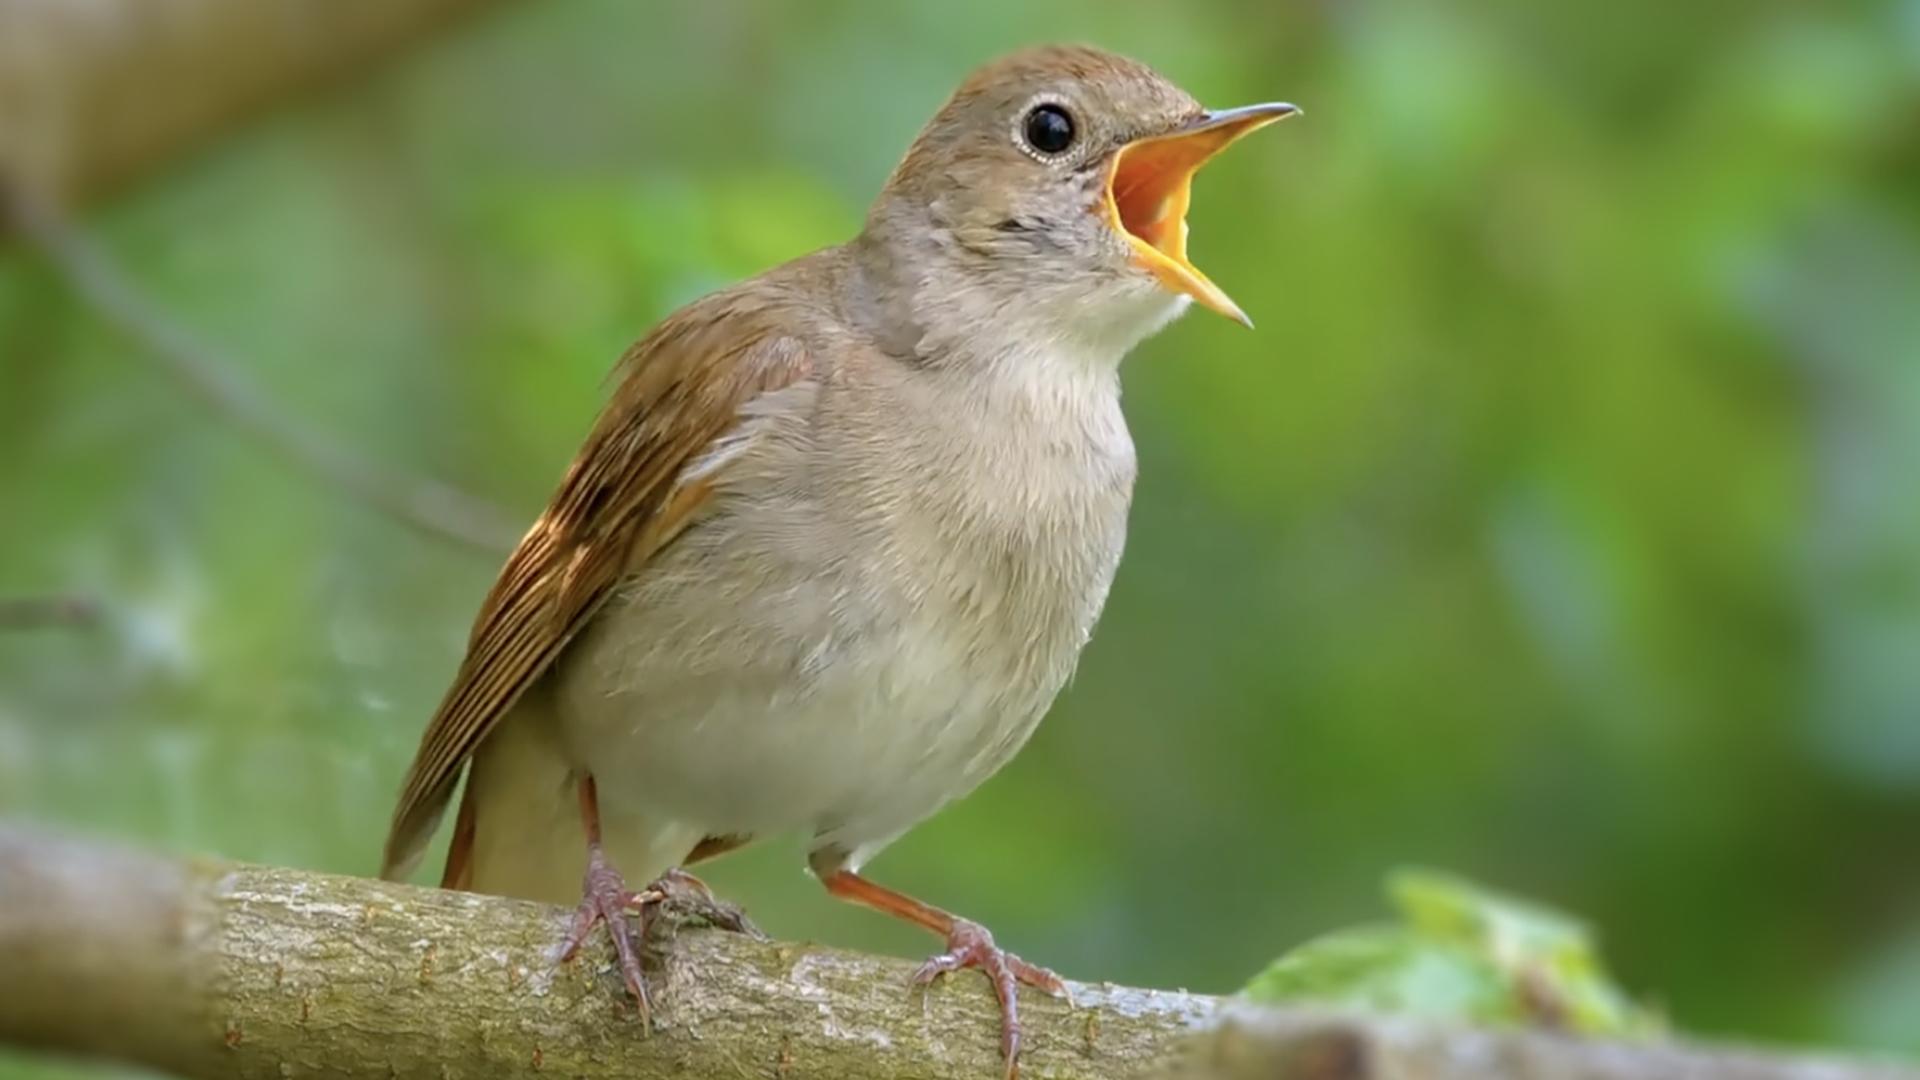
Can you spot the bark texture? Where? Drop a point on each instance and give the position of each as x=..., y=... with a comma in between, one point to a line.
x=212, y=969
x=218, y=970
x=93, y=90
x=1286, y=1045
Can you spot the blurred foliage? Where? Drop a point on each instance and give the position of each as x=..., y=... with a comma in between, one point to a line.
x=1561, y=522
x=1462, y=953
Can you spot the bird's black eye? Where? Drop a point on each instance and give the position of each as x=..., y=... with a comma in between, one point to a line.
x=1048, y=129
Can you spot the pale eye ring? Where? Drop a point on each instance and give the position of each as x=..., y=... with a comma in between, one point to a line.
x=1048, y=129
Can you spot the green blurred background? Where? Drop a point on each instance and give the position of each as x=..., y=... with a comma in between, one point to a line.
x=1559, y=525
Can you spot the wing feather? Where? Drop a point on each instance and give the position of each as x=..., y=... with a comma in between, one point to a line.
x=680, y=389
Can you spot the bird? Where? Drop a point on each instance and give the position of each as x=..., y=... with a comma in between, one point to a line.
x=838, y=536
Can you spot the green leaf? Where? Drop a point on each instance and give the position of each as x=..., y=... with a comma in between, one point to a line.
x=1465, y=953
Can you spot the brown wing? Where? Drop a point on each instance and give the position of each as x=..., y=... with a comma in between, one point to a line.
x=681, y=387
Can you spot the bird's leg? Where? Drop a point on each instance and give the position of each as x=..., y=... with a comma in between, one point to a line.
x=968, y=945
x=606, y=899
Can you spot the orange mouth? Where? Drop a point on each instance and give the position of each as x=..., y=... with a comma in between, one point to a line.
x=1150, y=184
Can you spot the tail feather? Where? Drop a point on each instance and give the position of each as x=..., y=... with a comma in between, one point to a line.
x=518, y=830
x=458, y=873
x=407, y=837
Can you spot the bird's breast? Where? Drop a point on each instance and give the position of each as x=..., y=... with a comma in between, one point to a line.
x=1008, y=517
x=888, y=593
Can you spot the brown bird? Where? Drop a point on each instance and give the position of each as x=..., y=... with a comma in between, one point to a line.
x=836, y=542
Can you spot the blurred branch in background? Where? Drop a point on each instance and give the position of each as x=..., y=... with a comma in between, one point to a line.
x=37, y=612
x=215, y=969
x=91, y=93
x=425, y=505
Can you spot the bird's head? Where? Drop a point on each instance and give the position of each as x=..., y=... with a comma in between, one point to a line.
x=1051, y=192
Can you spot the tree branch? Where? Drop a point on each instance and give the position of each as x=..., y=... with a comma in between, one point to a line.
x=424, y=505
x=38, y=612
x=220, y=970
x=93, y=92
x=1272, y=1044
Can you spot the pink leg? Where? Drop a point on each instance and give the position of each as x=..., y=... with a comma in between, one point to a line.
x=969, y=945
x=605, y=898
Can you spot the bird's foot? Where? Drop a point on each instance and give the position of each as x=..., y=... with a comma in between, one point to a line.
x=606, y=899
x=970, y=945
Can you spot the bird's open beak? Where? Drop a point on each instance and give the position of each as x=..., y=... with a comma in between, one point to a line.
x=1150, y=183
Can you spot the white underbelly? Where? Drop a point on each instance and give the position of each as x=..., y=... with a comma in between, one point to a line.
x=760, y=726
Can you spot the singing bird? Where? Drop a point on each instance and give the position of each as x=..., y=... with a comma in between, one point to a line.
x=836, y=542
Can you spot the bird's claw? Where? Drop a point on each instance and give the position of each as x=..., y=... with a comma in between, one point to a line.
x=971, y=945
x=606, y=899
